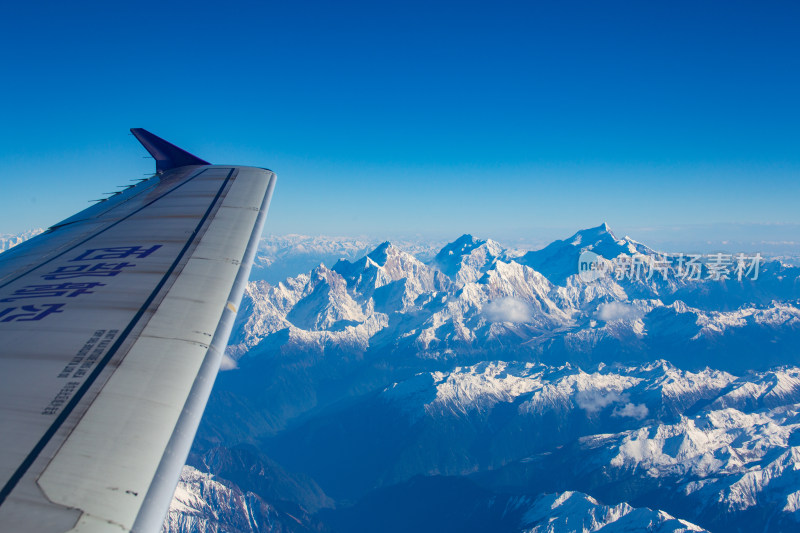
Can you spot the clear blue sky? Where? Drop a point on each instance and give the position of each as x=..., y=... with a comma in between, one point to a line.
x=435, y=118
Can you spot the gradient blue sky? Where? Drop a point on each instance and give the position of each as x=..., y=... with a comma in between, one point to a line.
x=502, y=119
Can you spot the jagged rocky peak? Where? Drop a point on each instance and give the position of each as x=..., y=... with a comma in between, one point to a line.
x=575, y=511
x=389, y=279
x=9, y=240
x=467, y=258
x=599, y=239
x=398, y=264
x=590, y=236
x=203, y=503
x=559, y=259
x=380, y=255
x=385, y=256
x=327, y=305
x=384, y=265
x=321, y=273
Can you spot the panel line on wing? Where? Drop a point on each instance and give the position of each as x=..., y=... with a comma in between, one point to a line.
x=105, y=229
x=37, y=449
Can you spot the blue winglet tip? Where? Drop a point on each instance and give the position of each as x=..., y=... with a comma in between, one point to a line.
x=166, y=154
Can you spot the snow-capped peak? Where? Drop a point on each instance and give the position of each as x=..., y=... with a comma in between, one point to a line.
x=559, y=260
x=467, y=258
x=9, y=240
x=590, y=236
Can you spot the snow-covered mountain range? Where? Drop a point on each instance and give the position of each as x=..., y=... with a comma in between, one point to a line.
x=469, y=387
x=9, y=240
x=485, y=389
x=281, y=256
x=475, y=298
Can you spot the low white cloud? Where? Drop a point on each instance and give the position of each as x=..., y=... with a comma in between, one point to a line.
x=228, y=363
x=617, y=311
x=638, y=411
x=592, y=401
x=507, y=310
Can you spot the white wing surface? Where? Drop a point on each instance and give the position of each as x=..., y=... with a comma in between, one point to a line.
x=113, y=325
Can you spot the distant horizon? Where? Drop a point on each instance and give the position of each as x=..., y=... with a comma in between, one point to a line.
x=700, y=238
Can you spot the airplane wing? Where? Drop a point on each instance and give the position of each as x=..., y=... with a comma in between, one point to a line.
x=113, y=324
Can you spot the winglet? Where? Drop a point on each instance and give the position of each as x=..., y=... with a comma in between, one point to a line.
x=166, y=154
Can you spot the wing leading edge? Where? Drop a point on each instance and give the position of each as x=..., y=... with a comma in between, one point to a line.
x=113, y=325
